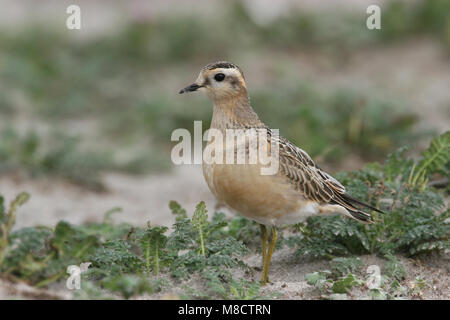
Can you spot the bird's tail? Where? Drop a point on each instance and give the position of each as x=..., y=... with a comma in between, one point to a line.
x=361, y=216
x=351, y=204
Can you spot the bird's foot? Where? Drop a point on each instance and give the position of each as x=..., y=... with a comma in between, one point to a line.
x=263, y=281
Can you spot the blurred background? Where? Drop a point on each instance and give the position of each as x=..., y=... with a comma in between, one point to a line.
x=86, y=115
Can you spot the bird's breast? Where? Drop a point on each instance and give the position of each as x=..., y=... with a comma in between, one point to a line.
x=263, y=198
x=268, y=199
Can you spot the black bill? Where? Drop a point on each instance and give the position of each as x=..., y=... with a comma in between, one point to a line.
x=190, y=88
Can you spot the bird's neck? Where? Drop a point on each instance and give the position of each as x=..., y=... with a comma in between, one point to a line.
x=234, y=112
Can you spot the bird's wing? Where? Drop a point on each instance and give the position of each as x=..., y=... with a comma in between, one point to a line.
x=315, y=184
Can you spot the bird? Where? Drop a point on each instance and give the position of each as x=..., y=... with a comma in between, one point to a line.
x=297, y=190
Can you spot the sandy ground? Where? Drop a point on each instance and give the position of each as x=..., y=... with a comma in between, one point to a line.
x=146, y=198
x=142, y=199
x=417, y=71
x=287, y=279
x=288, y=275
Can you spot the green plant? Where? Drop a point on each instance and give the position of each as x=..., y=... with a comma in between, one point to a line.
x=344, y=284
x=234, y=289
x=7, y=221
x=55, y=155
x=124, y=259
x=434, y=159
x=200, y=221
x=153, y=243
x=329, y=283
x=342, y=266
x=178, y=211
x=129, y=285
x=417, y=287
x=221, y=285
x=393, y=268
x=129, y=260
x=217, y=248
x=416, y=220
x=319, y=280
x=345, y=279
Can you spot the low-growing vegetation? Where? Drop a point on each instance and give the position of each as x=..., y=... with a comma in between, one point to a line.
x=416, y=218
x=60, y=155
x=126, y=261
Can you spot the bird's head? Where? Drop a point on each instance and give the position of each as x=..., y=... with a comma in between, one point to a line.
x=220, y=80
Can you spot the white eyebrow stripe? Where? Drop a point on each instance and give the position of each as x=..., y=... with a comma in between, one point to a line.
x=228, y=72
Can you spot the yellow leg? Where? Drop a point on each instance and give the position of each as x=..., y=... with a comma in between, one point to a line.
x=268, y=255
x=264, y=239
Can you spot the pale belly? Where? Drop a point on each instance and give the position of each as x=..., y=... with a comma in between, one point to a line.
x=267, y=199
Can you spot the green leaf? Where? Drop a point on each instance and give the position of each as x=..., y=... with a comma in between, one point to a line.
x=434, y=159
x=345, y=284
x=314, y=278
x=2, y=209
x=116, y=257
x=200, y=222
x=177, y=210
x=153, y=243
x=397, y=165
x=378, y=294
x=128, y=285
x=342, y=266
x=393, y=268
x=73, y=242
x=21, y=199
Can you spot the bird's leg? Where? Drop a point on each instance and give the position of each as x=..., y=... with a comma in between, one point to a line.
x=264, y=239
x=268, y=255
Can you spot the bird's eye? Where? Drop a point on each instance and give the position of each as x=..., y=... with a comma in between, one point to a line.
x=219, y=77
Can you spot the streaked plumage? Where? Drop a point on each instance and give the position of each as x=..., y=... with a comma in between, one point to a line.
x=299, y=189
